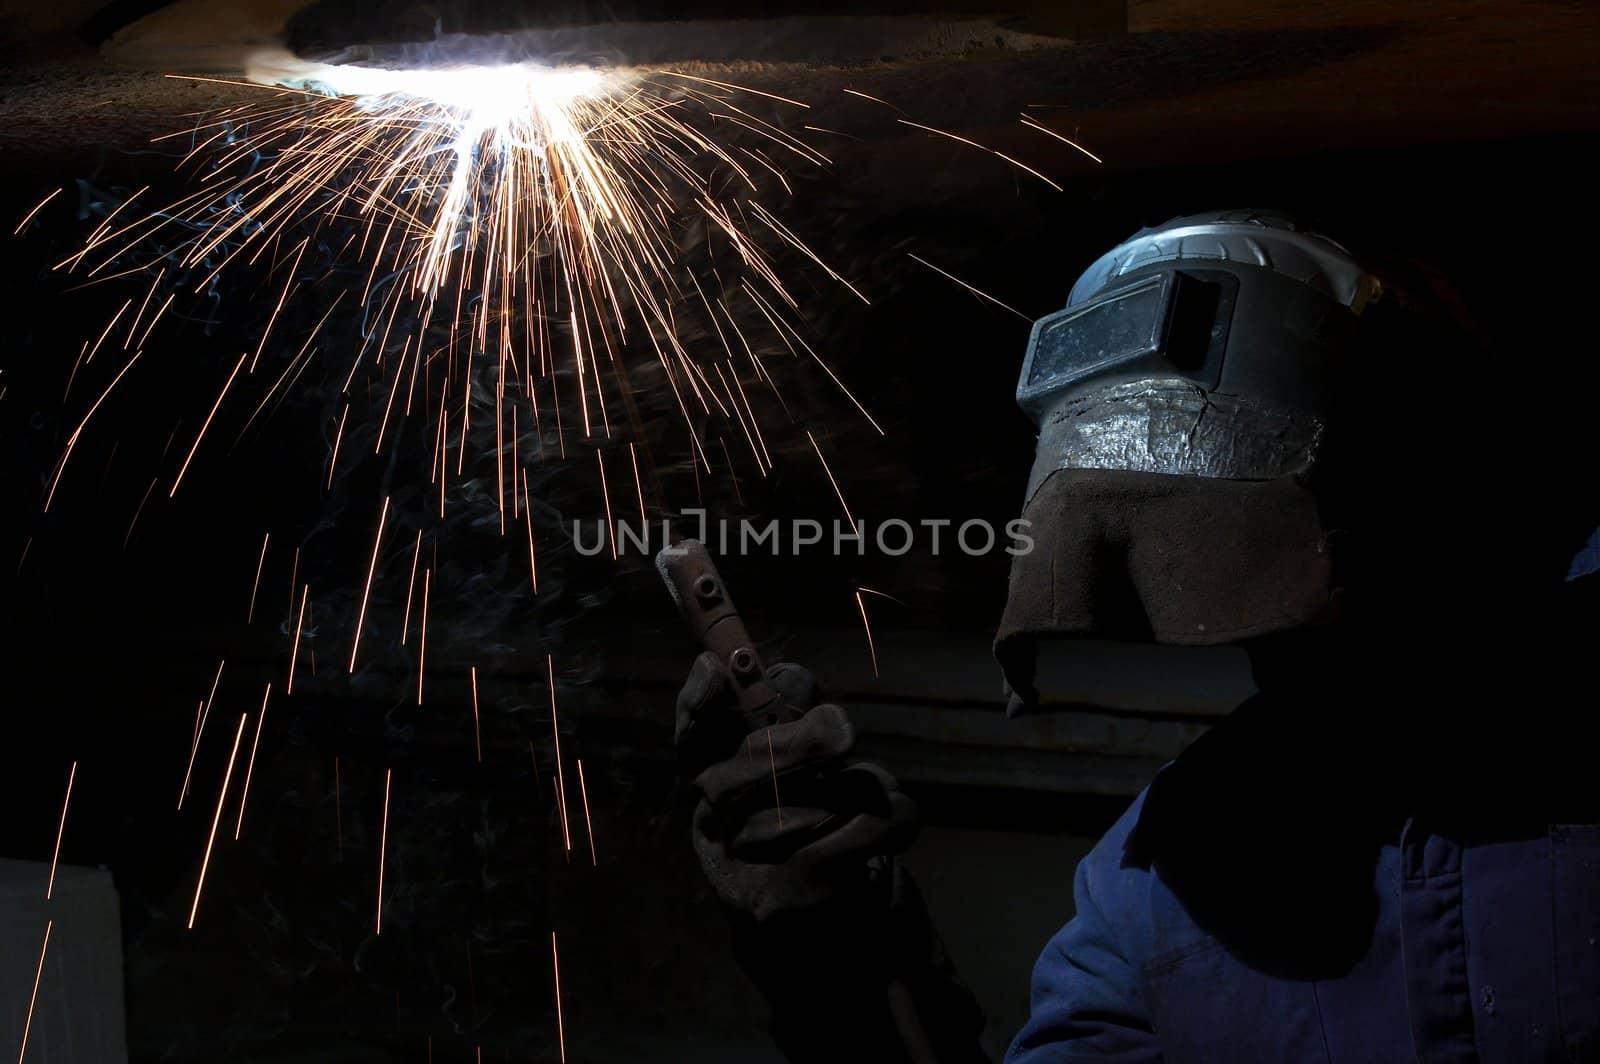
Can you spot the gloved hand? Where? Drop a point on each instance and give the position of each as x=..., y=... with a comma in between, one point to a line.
x=799, y=842
x=785, y=822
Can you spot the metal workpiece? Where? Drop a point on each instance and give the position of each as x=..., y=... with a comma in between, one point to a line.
x=837, y=40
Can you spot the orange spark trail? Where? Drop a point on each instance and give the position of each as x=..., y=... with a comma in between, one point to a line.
x=561, y=1027
x=287, y=290
x=255, y=587
x=411, y=585
x=561, y=779
x=527, y=512
x=128, y=535
x=874, y=99
x=72, y=441
x=583, y=789
x=140, y=312
x=294, y=580
x=103, y=227
x=735, y=88
x=217, y=819
x=148, y=329
x=112, y=324
x=584, y=175
x=294, y=653
x=835, y=483
x=214, y=408
x=611, y=531
x=422, y=651
x=383, y=847
x=1033, y=123
x=26, y=218
x=250, y=768
x=644, y=522
x=772, y=759
x=784, y=331
x=871, y=649
x=372, y=567
x=333, y=461
x=194, y=748
x=201, y=716
x=980, y=147
x=211, y=695
x=477, y=731
x=737, y=493
x=60, y=831
x=39, y=974
x=799, y=245
x=975, y=291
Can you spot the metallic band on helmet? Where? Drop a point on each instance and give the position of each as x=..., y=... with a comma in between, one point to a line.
x=1177, y=428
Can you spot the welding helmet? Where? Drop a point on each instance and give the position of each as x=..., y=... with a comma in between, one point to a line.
x=1183, y=399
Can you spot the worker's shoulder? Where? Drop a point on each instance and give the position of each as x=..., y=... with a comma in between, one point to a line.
x=1123, y=895
x=1109, y=874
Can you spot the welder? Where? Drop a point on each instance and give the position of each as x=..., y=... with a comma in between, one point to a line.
x=1389, y=853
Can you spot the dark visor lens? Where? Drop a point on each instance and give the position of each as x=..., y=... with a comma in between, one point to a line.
x=1121, y=325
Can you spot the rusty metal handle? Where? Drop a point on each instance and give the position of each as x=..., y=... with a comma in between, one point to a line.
x=692, y=578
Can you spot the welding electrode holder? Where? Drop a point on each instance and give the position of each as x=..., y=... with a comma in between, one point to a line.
x=703, y=598
x=693, y=581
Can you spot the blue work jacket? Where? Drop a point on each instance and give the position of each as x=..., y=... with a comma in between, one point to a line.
x=1245, y=909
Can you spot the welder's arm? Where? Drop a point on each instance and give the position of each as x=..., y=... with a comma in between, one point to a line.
x=1087, y=996
x=799, y=843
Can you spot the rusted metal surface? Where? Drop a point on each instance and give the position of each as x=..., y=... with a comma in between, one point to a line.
x=1193, y=84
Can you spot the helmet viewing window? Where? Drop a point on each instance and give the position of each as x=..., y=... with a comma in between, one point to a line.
x=1175, y=321
x=1122, y=324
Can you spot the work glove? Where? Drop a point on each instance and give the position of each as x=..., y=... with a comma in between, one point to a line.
x=786, y=821
x=799, y=841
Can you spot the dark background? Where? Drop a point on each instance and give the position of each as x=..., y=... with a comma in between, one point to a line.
x=111, y=638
